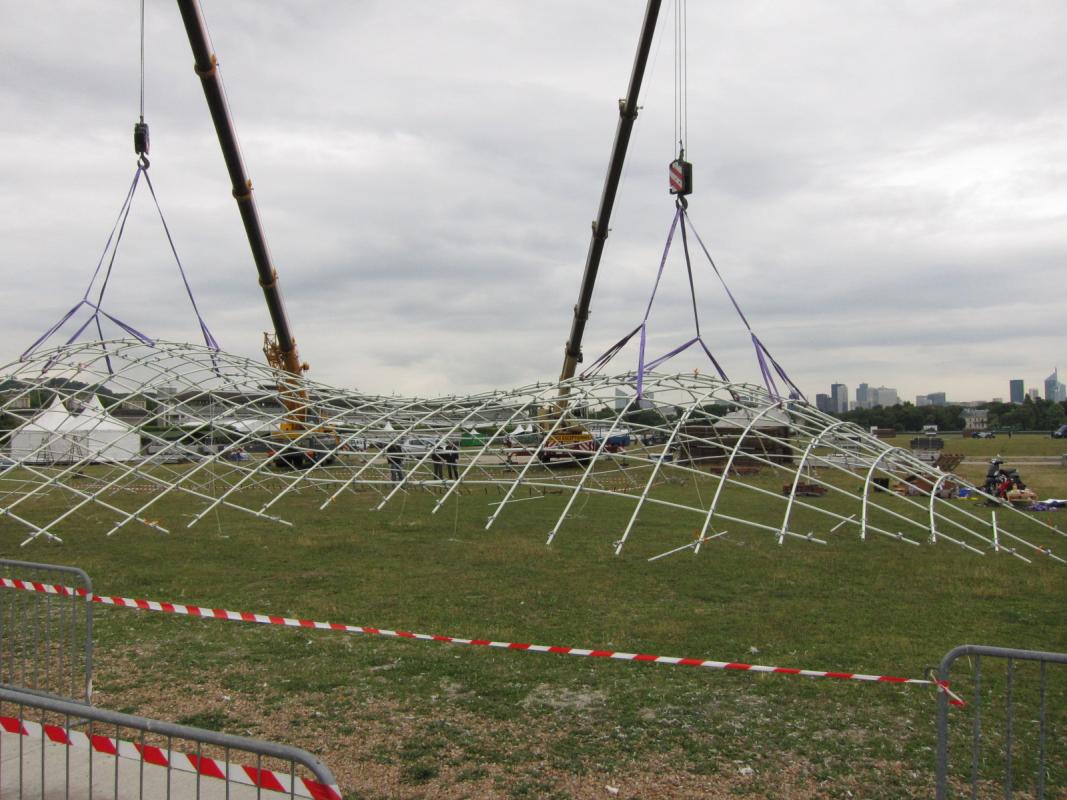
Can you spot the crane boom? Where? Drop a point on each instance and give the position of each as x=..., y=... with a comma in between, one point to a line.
x=627, y=115
x=283, y=349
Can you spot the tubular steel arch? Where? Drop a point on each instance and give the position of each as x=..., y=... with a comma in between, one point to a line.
x=121, y=426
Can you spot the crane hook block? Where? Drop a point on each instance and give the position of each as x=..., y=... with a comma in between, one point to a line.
x=681, y=177
x=140, y=138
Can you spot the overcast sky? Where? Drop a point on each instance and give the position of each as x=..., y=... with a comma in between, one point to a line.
x=883, y=185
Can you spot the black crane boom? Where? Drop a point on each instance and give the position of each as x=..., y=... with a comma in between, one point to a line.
x=206, y=67
x=627, y=115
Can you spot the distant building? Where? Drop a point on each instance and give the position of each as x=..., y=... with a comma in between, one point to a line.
x=1033, y=393
x=883, y=396
x=922, y=400
x=839, y=397
x=863, y=396
x=975, y=419
x=1016, y=390
x=1054, y=390
x=822, y=402
x=16, y=399
x=937, y=398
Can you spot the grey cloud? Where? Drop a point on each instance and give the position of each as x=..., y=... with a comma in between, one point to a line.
x=869, y=178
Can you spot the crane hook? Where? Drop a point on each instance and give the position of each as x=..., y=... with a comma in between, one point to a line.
x=140, y=142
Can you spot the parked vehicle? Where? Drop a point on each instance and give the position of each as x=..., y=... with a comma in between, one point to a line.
x=999, y=481
x=416, y=447
x=304, y=453
x=983, y=435
x=1060, y=432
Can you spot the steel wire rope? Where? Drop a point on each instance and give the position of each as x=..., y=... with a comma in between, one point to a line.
x=681, y=76
x=142, y=61
x=685, y=71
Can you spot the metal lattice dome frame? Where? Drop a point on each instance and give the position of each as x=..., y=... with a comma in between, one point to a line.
x=210, y=429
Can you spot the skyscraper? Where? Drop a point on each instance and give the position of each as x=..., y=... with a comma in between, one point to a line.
x=883, y=396
x=1054, y=390
x=1016, y=390
x=839, y=397
x=863, y=398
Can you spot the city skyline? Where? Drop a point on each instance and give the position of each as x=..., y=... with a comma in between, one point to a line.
x=838, y=399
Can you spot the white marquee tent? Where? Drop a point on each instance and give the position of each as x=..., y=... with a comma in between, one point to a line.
x=42, y=440
x=98, y=436
x=56, y=436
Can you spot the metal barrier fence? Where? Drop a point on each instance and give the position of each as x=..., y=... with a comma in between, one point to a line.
x=46, y=640
x=52, y=748
x=1016, y=745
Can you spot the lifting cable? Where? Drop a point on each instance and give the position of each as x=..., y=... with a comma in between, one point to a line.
x=769, y=367
x=141, y=148
x=681, y=76
x=681, y=185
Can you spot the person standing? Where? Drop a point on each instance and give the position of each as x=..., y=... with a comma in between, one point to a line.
x=395, y=455
x=452, y=457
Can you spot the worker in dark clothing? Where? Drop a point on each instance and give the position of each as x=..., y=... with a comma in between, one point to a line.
x=395, y=454
x=452, y=457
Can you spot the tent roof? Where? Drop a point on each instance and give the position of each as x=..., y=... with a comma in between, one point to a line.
x=52, y=418
x=94, y=417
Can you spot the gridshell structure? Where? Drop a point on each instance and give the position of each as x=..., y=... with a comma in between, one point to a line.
x=692, y=456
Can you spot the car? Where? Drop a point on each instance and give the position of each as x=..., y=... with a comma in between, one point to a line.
x=983, y=435
x=1060, y=432
x=415, y=447
x=6, y=462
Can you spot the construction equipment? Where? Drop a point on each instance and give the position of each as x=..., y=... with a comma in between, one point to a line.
x=282, y=351
x=570, y=439
x=627, y=114
x=300, y=437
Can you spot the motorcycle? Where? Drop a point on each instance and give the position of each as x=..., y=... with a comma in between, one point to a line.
x=999, y=481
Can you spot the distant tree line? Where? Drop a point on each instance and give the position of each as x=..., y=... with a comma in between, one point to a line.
x=1030, y=415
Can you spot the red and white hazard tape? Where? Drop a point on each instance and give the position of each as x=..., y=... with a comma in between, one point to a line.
x=268, y=619
x=265, y=779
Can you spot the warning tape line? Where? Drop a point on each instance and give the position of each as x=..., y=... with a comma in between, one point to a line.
x=270, y=619
x=266, y=779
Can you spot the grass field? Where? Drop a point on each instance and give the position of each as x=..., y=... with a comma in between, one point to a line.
x=427, y=720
